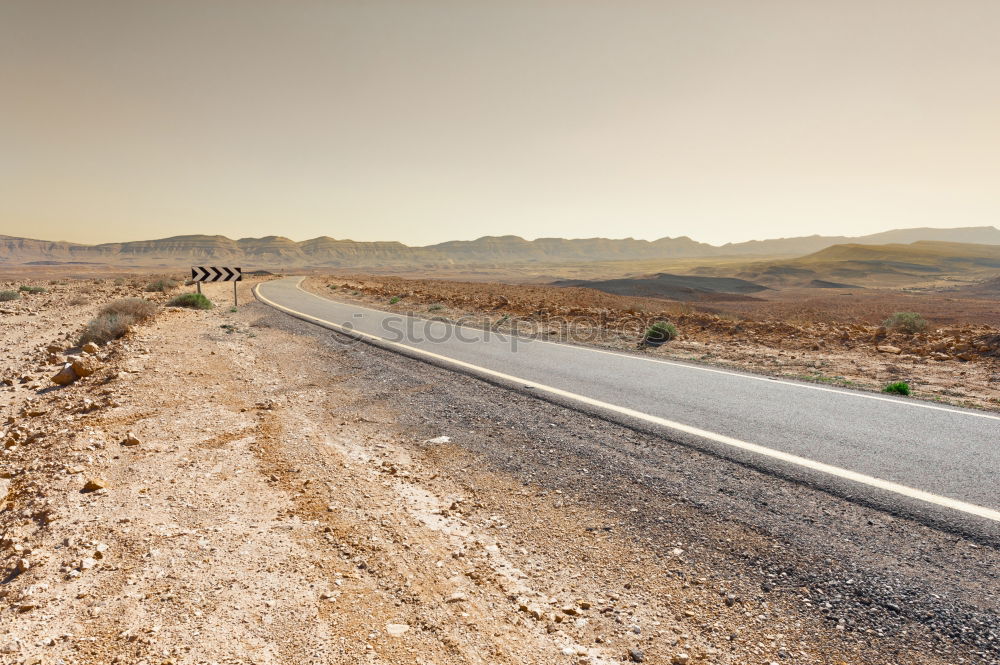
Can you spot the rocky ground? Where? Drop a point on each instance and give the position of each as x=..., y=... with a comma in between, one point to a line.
x=958, y=363
x=228, y=487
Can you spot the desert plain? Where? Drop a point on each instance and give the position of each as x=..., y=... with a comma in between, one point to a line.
x=222, y=487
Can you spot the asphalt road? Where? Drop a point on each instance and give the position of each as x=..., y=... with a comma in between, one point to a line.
x=922, y=458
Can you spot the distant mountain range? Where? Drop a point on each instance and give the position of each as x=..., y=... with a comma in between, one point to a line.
x=282, y=253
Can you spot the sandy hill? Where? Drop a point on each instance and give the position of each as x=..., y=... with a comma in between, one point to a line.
x=868, y=264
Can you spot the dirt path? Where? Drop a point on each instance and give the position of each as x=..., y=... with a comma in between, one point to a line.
x=278, y=508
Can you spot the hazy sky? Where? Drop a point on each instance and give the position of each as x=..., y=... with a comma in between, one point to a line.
x=425, y=120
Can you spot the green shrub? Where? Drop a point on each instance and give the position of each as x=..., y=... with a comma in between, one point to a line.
x=434, y=308
x=393, y=300
x=161, y=286
x=115, y=319
x=659, y=333
x=897, y=388
x=908, y=322
x=6, y=296
x=193, y=301
x=31, y=289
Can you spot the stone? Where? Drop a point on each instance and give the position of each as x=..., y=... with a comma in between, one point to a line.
x=396, y=629
x=888, y=348
x=636, y=656
x=94, y=484
x=91, y=348
x=65, y=376
x=457, y=597
x=680, y=659
x=22, y=565
x=84, y=366
x=87, y=563
x=130, y=440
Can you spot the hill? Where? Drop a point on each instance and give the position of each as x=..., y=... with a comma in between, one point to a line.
x=497, y=251
x=986, y=235
x=885, y=265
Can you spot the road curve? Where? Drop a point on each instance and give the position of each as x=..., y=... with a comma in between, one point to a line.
x=925, y=459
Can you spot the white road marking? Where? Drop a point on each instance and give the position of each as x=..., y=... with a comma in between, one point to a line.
x=699, y=368
x=847, y=474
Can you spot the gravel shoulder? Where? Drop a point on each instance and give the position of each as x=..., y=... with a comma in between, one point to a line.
x=294, y=497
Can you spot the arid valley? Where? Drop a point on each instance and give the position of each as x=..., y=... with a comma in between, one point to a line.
x=229, y=486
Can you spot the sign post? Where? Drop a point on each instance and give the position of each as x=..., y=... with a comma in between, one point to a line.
x=201, y=274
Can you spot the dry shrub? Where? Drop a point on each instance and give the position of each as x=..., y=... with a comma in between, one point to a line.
x=908, y=322
x=115, y=319
x=79, y=300
x=161, y=286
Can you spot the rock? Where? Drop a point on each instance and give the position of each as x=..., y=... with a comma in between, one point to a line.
x=91, y=348
x=680, y=659
x=396, y=629
x=531, y=610
x=457, y=597
x=22, y=565
x=94, y=484
x=4, y=488
x=937, y=355
x=888, y=348
x=636, y=656
x=131, y=440
x=439, y=439
x=87, y=563
x=54, y=348
x=65, y=376
x=84, y=366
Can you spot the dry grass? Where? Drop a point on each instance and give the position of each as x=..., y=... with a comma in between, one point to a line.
x=115, y=319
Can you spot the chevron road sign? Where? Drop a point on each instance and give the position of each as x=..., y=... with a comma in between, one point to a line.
x=201, y=274
x=216, y=274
